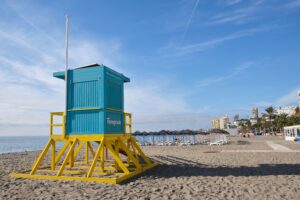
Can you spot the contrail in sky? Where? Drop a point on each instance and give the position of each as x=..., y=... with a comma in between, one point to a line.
x=190, y=19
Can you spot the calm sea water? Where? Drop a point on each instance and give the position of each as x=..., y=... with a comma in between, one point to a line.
x=19, y=144
x=33, y=143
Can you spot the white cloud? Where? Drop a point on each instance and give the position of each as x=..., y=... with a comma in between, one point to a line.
x=288, y=99
x=89, y=51
x=23, y=104
x=214, y=80
x=29, y=92
x=144, y=98
x=176, y=50
x=230, y=2
x=155, y=109
x=263, y=104
x=214, y=42
x=28, y=59
x=293, y=4
x=190, y=18
x=193, y=121
x=23, y=129
x=239, y=15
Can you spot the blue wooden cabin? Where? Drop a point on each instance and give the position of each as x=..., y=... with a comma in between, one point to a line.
x=95, y=100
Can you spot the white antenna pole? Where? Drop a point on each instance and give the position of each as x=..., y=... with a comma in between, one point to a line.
x=67, y=64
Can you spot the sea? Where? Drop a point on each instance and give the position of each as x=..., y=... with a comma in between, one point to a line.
x=22, y=143
x=29, y=143
x=33, y=143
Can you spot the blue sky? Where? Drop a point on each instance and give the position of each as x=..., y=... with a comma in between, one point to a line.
x=189, y=60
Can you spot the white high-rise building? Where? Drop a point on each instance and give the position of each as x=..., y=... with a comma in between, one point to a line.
x=289, y=110
x=255, y=113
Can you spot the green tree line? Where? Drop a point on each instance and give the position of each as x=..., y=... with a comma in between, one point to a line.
x=271, y=122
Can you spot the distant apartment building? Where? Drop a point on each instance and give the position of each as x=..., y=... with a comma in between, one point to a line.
x=236, y=118
x=254, y=117
x=224, y=121
x=255, y=113
x=236, y=123
x=253, y=121
x=215, y=123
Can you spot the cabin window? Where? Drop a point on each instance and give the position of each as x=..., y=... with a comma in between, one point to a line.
x=293, y=132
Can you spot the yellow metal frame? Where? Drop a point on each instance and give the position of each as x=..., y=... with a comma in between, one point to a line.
x=127, y=158
x=62, y=115
x=128, y=123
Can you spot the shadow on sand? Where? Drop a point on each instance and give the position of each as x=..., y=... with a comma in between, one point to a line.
x=181, y=167
x=171, y=166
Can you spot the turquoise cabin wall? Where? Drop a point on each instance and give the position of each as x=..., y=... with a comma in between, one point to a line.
x=95, y=100
x=86, y=88
x=95, y=122
x=114, y=92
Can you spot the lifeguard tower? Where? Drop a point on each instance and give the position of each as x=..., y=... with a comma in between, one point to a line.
x=98, y=145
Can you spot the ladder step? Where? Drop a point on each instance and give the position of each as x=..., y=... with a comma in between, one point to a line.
x=56, y=124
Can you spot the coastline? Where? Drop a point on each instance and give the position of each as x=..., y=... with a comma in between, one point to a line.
x=15, y=144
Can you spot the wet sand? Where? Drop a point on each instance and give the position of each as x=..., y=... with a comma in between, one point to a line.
x=186, y=172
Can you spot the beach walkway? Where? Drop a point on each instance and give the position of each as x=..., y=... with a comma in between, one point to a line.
x=259, y=151
x=277, y=147
x=273, y=145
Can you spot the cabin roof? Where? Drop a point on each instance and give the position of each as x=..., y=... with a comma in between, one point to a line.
x=61, y=74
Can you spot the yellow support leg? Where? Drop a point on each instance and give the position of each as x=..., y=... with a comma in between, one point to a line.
x=116, y=157
x=91, y=170
x=129, y=155
x=67, y=158
x=140, y=151
x=134, y=151
x=102, y=159
x=78, y=149
x=71, y=162
x=61, y=152
x=87, y=153
x=91, y=149
x=53, y=156
x=42, y=155
x=116, y=148
x=128, y=147
x=106, y=154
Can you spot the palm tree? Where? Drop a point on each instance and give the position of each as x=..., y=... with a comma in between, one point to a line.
x=281, y=121
x=263, y=122
x=270, y=110
x=259, y=124
x=297, y=111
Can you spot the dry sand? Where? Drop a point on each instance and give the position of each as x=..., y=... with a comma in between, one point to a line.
x=187, y=172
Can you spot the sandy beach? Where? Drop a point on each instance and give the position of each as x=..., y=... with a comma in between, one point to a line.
x=244, y=169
